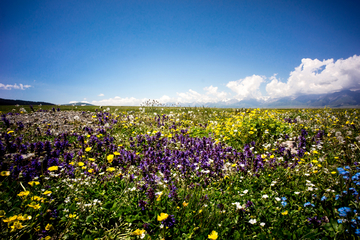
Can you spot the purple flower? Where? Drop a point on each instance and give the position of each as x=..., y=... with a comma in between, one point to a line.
x=142, y=204
x=249, y=204
x=169, y=221
x=315, y=221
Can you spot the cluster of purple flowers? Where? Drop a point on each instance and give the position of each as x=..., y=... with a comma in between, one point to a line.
x=289, y=120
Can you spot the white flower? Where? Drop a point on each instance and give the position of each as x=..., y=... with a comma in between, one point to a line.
x=161, y=226
x=252, y=221
x=278, y=199
x=245, y=191
x=297, y=193
x=238, y=205
x=265, y=196
x=262, y=224
x=310, y=189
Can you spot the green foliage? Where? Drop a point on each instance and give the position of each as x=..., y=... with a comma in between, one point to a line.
x=234, y=202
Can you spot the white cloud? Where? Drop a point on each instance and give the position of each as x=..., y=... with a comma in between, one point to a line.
x=15, y=86
x=78, y=102
x=101, y=95
x=248, y=87
x=318, y=77
x=213, y=91
x=118, y=101
x=211, y=95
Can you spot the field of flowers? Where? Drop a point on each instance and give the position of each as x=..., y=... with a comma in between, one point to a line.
x=179, y=173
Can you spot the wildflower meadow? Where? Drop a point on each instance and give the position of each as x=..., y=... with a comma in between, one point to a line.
x=179, y=173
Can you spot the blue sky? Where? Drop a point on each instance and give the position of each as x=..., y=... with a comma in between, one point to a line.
x=123, y=52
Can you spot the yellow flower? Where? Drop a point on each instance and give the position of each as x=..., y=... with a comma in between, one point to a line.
x=34, y=205
x=158, y=198
x=116, y=153
x=185, y=204
x=48, y=227
x=21, y=194
x=80, y=164
x=138, y=232
x=33, y=182
x=53, y=168
x=315, y=152
x=17, y=225
x=285, y=213
x=333, y=172
x=162, y=216
x=10, y=132
x=90, y=170
x=84, y=167
x=272, y=156
x=92, y=159
x=213, y=235
x=72, y=215
x=71, y=163
x=110, y=169
x=23, y=217
x=47, y=238
x=110, y=158
x=12, y=218
x=36, y=198
x=88, y=149
x=47, y=192
x=5, y=173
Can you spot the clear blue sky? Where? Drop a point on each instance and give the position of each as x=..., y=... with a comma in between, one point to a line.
x=126, y=51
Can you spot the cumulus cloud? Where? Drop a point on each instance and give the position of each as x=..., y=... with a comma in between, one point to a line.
x=118, y=101
x=214, y=91
x=318, y=77
x=248, y=87
x=211, y=95
x=101, y=95
x=78, y=102
x=15, y=86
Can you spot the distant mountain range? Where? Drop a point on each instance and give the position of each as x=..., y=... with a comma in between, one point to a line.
x=22, y=102
x=345, y=98
x=77, y=104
